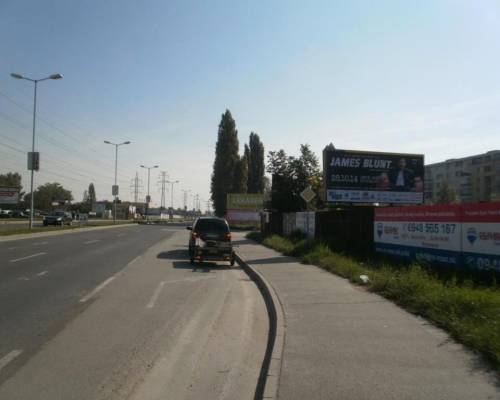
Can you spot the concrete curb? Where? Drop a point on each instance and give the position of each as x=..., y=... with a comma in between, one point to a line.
x=22, y=236
x=268, y=383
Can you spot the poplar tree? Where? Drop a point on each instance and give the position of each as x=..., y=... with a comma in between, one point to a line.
x=256, y=167
x=225, y=163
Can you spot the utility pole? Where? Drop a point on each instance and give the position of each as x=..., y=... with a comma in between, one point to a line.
x=148, y=197
x=172, y=183
x=135, y=187
x=162, y=182
x=34, y=157
x=114, y=189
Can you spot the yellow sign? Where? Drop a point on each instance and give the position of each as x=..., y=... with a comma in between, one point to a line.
x=245, y=201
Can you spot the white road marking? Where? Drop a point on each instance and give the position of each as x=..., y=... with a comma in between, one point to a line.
x=155, y=295
x=40, y=243
x=91, y=241
x=133, y=261
x=25, y=258
x=12, y=248
x=43, y=273
x=8, y=358
x=23, y=278
x=121, y=234
x=96, y=290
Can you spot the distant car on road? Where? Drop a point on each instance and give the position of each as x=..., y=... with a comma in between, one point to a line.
x=19, y=214
x=58, y=218
x=210, y=239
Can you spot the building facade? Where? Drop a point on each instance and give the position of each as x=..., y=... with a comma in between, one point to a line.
x=474, y=179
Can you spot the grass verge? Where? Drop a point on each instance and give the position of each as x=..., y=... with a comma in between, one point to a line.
x=469, y=312
x=20, y=231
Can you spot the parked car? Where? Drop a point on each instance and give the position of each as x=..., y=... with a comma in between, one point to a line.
x=19, y=214
x=58, y=218
x=210, y=239
x=5, y=213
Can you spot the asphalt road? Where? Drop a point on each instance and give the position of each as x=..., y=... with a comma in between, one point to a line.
x=120, y=314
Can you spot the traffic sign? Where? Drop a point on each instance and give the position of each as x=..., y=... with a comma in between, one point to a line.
x=33, y=161
x=308, y=194
x=114, y=190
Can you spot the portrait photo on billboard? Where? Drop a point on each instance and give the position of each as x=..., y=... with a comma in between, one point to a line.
x=359, y=176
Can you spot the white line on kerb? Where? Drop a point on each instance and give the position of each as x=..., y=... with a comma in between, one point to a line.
x=155, y=295
x=25, y=258
x=42, y=273
x=8, y=358
x=96, y=290
x=91, y=241
x=133, y=261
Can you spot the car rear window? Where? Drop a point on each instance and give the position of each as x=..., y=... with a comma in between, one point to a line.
x=211, y=225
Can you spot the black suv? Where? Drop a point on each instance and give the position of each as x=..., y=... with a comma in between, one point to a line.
x=210, y=239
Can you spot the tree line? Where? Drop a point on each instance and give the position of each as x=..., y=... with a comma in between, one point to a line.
x=46, y=194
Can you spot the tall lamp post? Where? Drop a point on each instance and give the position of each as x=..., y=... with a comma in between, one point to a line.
x=114, y=190
x=34, y=158
x=148, y=197
x=172, y=183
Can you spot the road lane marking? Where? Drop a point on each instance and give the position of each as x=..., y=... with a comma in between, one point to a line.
x=121, y=234
x=91, y=241
x=96, y=290
x=25, y=258
x=40, y=243
x=155, y=295
x=43, y=273
x=12, y=248
x=8, y=358
x=23, y=278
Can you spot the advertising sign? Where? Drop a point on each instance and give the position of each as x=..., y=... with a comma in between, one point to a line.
x=245, y=201
x=372, y=177
x=242, y=216
x=428, y=233
x=9, y=195
x=481, y=235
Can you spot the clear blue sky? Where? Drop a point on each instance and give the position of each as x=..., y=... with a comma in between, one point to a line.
x=420, y=77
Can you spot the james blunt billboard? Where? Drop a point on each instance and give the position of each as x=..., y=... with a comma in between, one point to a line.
x=353, y=176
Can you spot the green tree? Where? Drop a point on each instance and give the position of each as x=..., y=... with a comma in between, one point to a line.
x=290, y=176
x=226, y=160
x=48, y=193
x=445, y=194
x=91, y=196
x=256, y=167
x=240, y=181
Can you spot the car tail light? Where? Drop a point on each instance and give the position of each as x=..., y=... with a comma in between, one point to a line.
x=227, y=237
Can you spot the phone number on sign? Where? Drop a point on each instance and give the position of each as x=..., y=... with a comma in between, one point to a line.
x=422, y=227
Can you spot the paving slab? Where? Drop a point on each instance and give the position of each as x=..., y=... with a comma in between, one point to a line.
x=343, y=342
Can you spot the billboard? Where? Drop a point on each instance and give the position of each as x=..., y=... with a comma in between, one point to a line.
x=481, y=235
x=245, y=201
x=353, y=176
x=427, y=233
x=9, y=195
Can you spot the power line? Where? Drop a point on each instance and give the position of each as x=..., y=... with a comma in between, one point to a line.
x=51, y=125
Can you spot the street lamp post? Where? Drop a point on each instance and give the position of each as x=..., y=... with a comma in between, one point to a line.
x=114, y=191
x=33, y=160
x=172, y=183
x=148, y=197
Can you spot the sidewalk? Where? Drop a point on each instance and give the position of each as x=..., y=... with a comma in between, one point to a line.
x=342, y=342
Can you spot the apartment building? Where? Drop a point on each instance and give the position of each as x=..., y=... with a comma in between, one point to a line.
x=474, y=179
